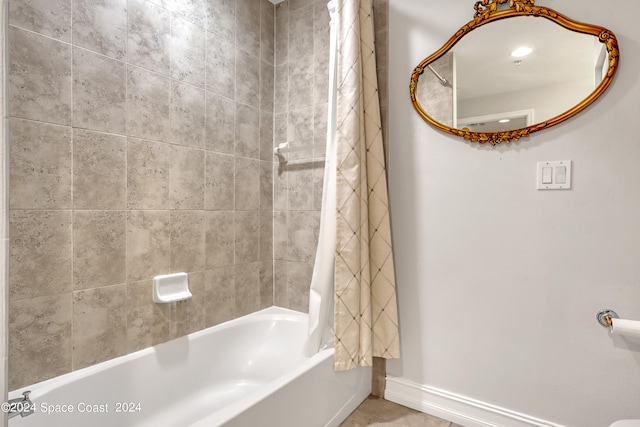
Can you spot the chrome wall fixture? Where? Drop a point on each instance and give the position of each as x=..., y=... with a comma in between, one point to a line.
x=605, y=317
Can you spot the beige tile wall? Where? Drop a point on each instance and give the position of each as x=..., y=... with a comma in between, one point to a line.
x=140, y=144
x=301, y=84
x=4, y=242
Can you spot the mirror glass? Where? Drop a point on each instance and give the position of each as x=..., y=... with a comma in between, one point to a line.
x=482, y=84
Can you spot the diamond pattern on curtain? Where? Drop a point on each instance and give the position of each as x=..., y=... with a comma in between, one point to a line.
x=365, y=313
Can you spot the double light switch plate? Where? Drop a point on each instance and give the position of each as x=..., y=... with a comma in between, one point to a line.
x=554, y=175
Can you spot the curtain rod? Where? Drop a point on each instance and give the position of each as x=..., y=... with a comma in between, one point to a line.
x=443, y=81
x=284, y=148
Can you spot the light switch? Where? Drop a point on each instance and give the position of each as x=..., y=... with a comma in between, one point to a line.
x=554, y=175
x=561, y=174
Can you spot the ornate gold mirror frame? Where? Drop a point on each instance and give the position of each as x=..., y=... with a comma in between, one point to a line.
x=486, y=12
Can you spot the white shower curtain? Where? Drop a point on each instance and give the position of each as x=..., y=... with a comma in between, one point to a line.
x=322, y=281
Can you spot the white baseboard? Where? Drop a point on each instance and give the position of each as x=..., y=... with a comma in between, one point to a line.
x=453, y=407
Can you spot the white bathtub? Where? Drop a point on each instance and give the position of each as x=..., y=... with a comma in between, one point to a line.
x=246, y=372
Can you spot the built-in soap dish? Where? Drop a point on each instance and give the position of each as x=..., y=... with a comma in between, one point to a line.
x=171, y=288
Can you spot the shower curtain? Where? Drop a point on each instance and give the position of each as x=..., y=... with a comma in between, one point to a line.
x=321, y=292
x=355, y=215
x=366, y=318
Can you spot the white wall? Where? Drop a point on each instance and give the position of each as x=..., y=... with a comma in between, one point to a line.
x=498, y=283
x=563, y=97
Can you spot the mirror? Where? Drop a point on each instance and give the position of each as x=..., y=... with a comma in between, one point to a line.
x=531, y=69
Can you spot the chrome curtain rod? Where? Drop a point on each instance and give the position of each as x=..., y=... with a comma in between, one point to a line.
x=284, y=148
x=443, y=81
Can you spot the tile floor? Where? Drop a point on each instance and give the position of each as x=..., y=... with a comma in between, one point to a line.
x=377, y=412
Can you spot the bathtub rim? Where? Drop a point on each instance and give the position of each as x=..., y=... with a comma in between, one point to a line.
x=42, y=388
